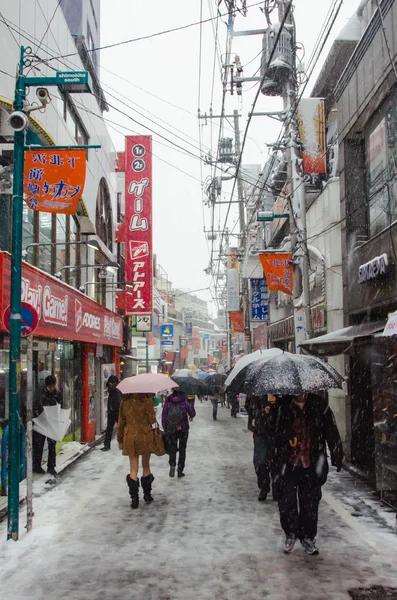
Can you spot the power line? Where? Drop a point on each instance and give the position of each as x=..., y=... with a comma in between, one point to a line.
x=48, y=24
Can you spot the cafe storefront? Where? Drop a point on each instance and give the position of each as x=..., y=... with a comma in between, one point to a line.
x=76, y=340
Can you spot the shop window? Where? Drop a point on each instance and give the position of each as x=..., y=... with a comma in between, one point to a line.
x=381, y=168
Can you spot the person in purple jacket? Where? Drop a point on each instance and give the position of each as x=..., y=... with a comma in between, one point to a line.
x=177, y=412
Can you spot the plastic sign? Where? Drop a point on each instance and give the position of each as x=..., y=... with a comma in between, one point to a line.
x=29, y=319
x=54, y=180
x=167, y=331
x=144, y=323
x=259, y=299
x=391, y=325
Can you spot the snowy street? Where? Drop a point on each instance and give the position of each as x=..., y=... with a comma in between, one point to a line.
x=206, y=537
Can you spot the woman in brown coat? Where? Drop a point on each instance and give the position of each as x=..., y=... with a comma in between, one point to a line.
x=137, y=419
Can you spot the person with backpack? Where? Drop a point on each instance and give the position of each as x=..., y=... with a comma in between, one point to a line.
x=177, y=412
x=114, y=399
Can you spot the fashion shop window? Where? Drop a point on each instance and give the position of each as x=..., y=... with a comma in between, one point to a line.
x=381, y=168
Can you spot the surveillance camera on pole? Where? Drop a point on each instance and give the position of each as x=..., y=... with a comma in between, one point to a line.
x=18, y=120
x=43, y=96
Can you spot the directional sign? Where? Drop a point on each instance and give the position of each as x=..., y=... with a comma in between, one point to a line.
x=167, y=343
x=29, y=319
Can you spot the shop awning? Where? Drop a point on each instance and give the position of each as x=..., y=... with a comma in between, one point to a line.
x=337, y=342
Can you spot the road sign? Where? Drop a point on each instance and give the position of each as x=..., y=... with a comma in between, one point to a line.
x=29, y=319
x=167, y=331
x=143, y=323
x=167, y=343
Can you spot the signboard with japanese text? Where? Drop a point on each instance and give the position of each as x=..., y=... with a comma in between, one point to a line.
x=167, y=331
x=237, y=319
x=259, y=300
x=278, y=271
x=312, y=134
x=233, y=280
x=136, y=231
x=54, y=180
x=62, y=312
x=196, y=338
x=144, y=323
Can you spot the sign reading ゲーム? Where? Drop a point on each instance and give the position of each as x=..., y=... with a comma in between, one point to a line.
x=54, y=179
x=136, y=232
x=61, y=311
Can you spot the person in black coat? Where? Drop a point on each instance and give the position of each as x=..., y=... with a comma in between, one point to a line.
x=262, y=412
x=114, y=399
x=50, y=396
x=305, y=426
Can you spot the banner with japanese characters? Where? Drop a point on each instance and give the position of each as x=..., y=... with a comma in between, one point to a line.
x=137, y=233
x=237, y=319
x=54, y=180
x=277, y=268
x=259, y=300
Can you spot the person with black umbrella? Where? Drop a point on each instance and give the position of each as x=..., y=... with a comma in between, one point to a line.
x=305, y=426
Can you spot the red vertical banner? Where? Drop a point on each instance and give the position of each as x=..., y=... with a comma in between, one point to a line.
x=138, y=229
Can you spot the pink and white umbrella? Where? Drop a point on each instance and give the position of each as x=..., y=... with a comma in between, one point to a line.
x=146, y=383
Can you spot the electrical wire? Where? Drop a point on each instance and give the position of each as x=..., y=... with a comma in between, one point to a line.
x=48, y=24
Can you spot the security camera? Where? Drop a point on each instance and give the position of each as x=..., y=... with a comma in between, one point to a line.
x=18, y=120
x=43, y=96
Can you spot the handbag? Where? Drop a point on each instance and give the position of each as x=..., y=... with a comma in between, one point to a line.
x=158, y=442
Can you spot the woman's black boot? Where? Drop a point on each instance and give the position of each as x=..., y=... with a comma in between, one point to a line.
x=146, y=483
x=133, y=487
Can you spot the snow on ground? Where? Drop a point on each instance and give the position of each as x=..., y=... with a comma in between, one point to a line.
x=206, y=537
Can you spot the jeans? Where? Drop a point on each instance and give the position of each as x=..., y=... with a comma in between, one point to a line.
x=299, y=483
x=234, y=407
x=38, y=447
x=112, y=419
x=177, y=442
x=262, y=460
x=214, y=408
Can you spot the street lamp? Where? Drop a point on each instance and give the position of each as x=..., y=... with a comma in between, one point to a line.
x=127, y=284
x=109, y=265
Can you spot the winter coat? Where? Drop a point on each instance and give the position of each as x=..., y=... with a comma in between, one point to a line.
x=259, y=421
x=114, y=399
x=322, y=430
x=135, y=431
x=45, y=398
x=186, y=406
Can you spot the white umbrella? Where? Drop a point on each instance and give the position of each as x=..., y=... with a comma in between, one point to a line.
x=246, y=360
x=53, y=422
x=185, y=373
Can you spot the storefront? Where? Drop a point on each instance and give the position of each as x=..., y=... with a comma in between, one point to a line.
x=76, y=340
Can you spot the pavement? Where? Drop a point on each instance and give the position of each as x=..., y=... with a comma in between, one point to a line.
x=205, y=537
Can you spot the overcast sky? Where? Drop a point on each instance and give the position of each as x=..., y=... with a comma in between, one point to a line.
x=161, y=76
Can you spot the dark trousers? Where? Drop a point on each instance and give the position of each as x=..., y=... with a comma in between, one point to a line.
x=214, y=408
x=234, y=407
x=38, y=447
x=299, y=484
x=177, y=442
x=112, y=419
x=262, y=461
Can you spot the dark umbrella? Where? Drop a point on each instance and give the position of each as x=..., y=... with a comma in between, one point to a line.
x=191, y=386
x=215, y=382
x=290, y=374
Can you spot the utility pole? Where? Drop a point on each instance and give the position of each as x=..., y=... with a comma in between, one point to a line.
x=302, y=314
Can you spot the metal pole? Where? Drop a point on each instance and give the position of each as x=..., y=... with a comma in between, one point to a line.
x=29, y=433
x=15, y=315
x=147, y=352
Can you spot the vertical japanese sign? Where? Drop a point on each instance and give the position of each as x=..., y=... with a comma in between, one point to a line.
x=54, y=180
x=233, y=280
x=259, y=300
x=278, y=271
x=312, y=134
x=138, y=224
x=237, y=319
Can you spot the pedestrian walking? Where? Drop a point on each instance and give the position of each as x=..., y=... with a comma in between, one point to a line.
x=114, y=399
x=305, y=425
x=135, y=436
x=262, y=413
x=214, y=402
x=50, y=396
x=176, y=414
x=233, y=403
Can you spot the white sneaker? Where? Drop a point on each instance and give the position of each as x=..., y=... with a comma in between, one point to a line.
x=309, y=546
x=289, y=544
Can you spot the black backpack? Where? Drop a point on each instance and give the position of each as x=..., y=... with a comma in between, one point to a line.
x=176, y=418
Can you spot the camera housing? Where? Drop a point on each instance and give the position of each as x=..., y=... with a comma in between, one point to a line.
x=43, y=96
x=17, y=120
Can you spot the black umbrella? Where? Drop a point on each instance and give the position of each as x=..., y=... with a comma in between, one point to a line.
x=191, y=386
x=215, y=382
x=290, y=374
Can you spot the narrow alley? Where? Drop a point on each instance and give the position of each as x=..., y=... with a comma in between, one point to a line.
x=205, y=537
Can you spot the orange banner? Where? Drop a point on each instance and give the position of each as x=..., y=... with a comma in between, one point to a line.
x=237, y=319
x=151, y=341
x=54, y=180
x=278, y=271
